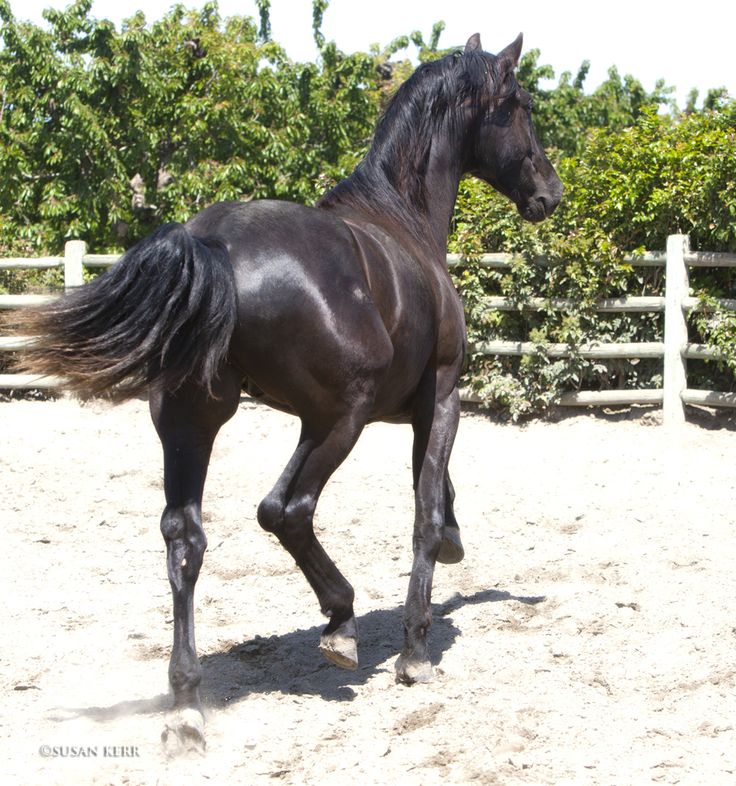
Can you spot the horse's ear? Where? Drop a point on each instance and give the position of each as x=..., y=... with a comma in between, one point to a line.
x=508, y=58
x=474, y=44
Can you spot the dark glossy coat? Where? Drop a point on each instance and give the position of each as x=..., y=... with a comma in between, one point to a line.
x=341, y=313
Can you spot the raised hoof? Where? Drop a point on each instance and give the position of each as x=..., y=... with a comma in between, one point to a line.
x=451, y=549
x=341, y=645
x=410, y=672
x=184, y=733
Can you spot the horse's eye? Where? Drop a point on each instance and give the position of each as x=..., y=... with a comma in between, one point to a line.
x=502, y=115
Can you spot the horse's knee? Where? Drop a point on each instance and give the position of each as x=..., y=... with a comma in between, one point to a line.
x=271, y=514
x=291, y=521
x=297, y=528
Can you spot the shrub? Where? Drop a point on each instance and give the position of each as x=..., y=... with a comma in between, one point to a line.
x=625, y=192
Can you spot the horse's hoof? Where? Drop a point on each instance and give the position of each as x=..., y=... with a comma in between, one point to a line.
x=184, y=733
x=341, y=646
x=451, y=549
x=410, y=672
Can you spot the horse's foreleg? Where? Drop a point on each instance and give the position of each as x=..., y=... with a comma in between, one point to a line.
x=288, y=512
x=435, y=425
x=187, y=423
x=451, y=548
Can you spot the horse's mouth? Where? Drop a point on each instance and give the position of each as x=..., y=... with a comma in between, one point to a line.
x=539, y=207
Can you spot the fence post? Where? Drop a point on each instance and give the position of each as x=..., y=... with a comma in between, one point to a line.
x=74, y=251
x=677, y=285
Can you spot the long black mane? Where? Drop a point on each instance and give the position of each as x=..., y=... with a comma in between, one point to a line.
x=391, y=177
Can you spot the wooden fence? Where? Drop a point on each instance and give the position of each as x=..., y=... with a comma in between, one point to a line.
x=675, y=350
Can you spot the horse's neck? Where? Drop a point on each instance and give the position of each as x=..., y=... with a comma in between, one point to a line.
x=442, y=179
x=426, y=216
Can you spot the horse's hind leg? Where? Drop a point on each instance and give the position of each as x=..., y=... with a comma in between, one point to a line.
x=187, y=422
x=288, y=512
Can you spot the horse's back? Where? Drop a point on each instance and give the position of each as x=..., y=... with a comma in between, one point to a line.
x=261, y=233
x=308, y=322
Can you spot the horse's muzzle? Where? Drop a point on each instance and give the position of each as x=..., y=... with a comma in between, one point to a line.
x=542, y=204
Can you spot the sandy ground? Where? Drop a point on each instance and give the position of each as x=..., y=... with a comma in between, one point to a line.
x=589, y=637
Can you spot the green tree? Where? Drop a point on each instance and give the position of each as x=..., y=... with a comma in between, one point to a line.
x=105, y=133
x=564, y=114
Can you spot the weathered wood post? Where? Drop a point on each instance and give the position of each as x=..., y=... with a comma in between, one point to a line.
x=677, y=286
x=74, y=251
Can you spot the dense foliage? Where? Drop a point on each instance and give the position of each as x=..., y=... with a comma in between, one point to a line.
x=625, y=192
x=106, y=133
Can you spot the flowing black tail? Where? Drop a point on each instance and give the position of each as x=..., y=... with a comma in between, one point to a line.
x=163, y=314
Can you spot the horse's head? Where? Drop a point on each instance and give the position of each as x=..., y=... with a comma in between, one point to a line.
x=505, y=151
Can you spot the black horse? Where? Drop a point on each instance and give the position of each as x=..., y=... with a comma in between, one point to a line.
x=341, y=314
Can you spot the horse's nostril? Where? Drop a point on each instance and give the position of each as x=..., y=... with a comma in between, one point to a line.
x=548, y=203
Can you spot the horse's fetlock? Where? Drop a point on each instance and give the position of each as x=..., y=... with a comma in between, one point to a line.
x=185, y=671
x=338, y=607
x=183, y=678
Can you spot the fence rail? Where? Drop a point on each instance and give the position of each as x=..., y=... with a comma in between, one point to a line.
x=675, y=350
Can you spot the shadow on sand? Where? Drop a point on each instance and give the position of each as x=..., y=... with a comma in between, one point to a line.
x=290, y=663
